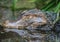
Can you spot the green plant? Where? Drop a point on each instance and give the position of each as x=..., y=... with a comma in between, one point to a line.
x=14, y=8
x=52, y=5
x=47, y=5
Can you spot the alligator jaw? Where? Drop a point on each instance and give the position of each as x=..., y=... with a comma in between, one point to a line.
x=33, y=20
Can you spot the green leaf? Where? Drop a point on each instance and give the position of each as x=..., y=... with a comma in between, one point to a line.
x=14, y=8
x=50, y=4
x=57, y=7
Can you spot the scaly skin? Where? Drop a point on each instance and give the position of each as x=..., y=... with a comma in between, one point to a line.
x=33, y=20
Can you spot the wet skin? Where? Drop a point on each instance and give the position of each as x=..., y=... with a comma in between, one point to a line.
x=33, y=20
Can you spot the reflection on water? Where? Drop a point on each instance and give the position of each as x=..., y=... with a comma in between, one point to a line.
x=20, y=32
x=15, y=35
x=11, y=36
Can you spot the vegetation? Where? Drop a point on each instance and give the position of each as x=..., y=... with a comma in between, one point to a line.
x=46, y=5
x=40, y=4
